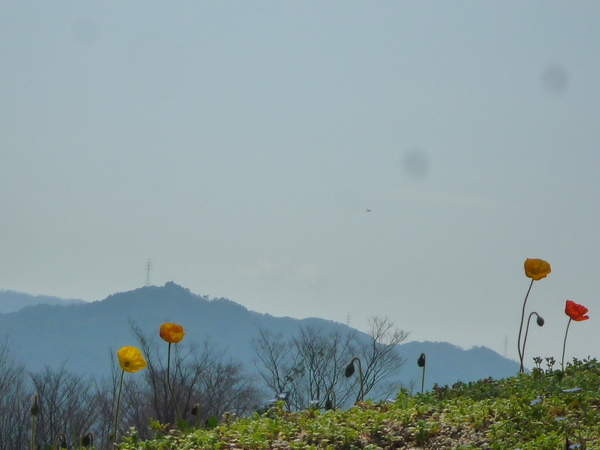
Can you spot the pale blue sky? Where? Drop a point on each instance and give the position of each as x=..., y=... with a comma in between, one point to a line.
x=239, y=145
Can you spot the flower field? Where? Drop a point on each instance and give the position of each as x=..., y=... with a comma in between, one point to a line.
x=550, y=409
x=544, y=409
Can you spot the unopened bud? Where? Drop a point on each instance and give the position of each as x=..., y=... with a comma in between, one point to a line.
x=87, y=440
x=421, y=360
x=349, y=370
x=540, y=321
x=35, y=408
x=60, y=441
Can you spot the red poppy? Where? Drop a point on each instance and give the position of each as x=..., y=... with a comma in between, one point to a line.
x=576, y=311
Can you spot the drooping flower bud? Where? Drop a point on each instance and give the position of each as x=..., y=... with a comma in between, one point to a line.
x=421, y=360
x=60, y=441
x=330, y=400
x=349, y=370
x=540, y=321
x=87, y=440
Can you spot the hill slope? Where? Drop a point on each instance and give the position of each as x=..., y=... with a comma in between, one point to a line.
x=11, y=301
x=82, y=335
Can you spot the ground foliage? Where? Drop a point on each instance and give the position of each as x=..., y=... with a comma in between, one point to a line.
x=539, y=410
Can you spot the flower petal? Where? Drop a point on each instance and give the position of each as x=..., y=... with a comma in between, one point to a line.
x=536, y=269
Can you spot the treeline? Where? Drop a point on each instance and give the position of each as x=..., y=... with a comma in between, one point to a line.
x=207, y=384
x=75, y=406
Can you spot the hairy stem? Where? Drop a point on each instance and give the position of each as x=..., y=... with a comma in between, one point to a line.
x=521, y=369
x=114, y=436
x=171, y=387
x=565, y=345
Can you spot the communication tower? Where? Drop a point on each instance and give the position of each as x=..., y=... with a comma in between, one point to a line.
x=148, y=268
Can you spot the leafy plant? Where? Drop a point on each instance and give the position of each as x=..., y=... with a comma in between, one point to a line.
x=524, y=411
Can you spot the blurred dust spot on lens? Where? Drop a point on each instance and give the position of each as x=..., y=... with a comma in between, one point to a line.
x=555, y=79
x=415, y=163
x=85, y=31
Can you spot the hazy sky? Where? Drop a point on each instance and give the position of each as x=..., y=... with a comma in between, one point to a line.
x=330, y=159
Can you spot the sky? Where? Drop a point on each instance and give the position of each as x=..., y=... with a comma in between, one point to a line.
x=341, y=160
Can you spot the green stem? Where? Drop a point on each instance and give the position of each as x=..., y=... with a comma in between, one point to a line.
x=58, y=444
x=423, y=380
x=521, y=369
x=361, y=394
x=118, y=407
x=33, y=420
x=171, y=387
x=565, y=345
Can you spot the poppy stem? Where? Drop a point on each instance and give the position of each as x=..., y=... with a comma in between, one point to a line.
x=58, y=443
x=35, y=410
x=422, y=362
x=171, y=387
x=361, y=395
x=114, y=436
x=565, y=345
x=33, y=420
x=521, y=368
x=330, y=400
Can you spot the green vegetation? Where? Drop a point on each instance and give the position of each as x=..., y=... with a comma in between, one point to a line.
x=538, y=411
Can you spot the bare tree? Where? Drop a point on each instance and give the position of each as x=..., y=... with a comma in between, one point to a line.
x=307, y=366
x=226, y=388
x=66, y=404
x=278, y=364
x=324, y=357
x=199, y=375
x=379, y=354
x=75, y=405
x=15, y=402
x=105, y=394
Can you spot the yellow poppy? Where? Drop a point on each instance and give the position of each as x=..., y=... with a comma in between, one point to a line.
x=131, y=359
x=171, y=332
x=536, y=269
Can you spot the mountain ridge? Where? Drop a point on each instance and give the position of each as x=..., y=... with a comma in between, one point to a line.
x=13, y=301
x=82, y=335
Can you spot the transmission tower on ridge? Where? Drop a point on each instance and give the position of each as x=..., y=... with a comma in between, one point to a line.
x=148, y=267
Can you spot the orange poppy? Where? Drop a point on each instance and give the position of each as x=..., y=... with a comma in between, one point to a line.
x=536, y=269
x=171, y=332
x=576, y=311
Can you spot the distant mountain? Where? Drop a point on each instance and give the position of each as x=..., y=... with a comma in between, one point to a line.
x=446, y=364
x=11, y=301
x=82, y=335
